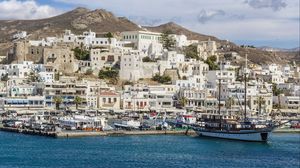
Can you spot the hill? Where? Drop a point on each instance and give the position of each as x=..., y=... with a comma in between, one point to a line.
x=100, y=20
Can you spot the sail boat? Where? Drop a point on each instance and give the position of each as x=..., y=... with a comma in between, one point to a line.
x=236, y=130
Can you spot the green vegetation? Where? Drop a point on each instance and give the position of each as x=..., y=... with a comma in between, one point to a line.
x=184, y=78
x=191, y=52
x=260, y=101
x=4, y=78
x=89, y=72
x=247, y=46
x=80, y=53
x=148, y=59
x=109, y=74
x=57, y=100
x=109, y=35
x=167, y=41
x=78, y=100
x=276, y=92
x=127, y=83
x=211, y=61
x=183, y=101
x=33, y=77
x=161, y=79
x=56, y=76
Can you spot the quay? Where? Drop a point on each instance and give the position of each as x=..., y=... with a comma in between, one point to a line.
x=70, y=134
x=286, y=130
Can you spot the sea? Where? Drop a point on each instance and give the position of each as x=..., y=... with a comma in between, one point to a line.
x=161, y=151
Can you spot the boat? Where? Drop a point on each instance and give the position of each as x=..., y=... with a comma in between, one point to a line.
x=235, y=129
x=128, y=124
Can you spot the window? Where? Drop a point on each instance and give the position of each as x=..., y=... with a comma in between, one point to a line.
x=104, y=100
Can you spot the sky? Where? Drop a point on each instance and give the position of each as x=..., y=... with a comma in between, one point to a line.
x=273, y=23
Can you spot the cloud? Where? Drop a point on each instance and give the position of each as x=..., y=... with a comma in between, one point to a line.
x=145, y=21
x=275, y=5
x=28, y=9
x=204, y=16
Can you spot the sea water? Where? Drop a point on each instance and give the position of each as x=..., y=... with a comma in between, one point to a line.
x=18, y=150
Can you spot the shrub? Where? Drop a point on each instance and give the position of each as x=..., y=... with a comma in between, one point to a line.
x=161, y=79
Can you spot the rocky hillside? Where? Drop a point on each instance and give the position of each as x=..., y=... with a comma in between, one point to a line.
x=82, y=19
x=255, y=55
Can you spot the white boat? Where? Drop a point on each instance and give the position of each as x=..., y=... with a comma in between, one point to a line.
x=243, y=134
x=128, y=124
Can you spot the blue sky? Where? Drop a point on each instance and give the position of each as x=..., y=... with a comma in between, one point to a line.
x=255, y=22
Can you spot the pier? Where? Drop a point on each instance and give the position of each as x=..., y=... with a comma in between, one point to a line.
x=70, y=134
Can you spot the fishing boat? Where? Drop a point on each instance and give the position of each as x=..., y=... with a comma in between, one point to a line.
x=235, y=129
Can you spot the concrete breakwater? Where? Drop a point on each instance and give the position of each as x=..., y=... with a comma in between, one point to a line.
x=70, y=134
x=28, y=131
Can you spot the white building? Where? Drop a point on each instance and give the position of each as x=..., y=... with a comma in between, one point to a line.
x=133, y=68
x=148, y=43
x=225, y=76
x=180, y=40
x=20, y=35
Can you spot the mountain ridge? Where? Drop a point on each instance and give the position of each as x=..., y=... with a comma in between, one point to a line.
x=101, y=20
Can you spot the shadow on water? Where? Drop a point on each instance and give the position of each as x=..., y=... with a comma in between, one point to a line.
x=233, y=142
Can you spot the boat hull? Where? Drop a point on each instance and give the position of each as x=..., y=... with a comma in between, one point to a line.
x=254, y=136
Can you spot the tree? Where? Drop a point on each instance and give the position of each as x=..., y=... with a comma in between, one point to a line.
x=33, y=77
x=228, y=103
x=211, y=63
x=4, y=78
x=89, y=72
x=80, y=53
x=183, y=101
x=191, y=52
x=167, y=41
x=110, y=74
x=78, y=100
x=260, y=101
x=109, y=35
x=276, y=91
x=57, y=100
x=161, y=79
x=147, y=59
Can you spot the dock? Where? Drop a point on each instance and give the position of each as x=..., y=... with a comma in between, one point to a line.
x=70, y=134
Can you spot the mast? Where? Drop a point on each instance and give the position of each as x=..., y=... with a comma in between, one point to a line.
x=220, y=102
x=219, y=105
x=245, y=98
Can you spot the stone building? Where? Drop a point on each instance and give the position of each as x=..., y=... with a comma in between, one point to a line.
x=61, y=58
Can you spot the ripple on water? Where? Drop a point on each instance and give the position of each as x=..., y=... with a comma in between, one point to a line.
x=17, y=150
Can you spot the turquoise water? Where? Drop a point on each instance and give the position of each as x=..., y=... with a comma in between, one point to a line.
x=17, y=150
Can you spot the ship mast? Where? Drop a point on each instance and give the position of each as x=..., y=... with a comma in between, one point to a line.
x=219, y=106
x=245, y=98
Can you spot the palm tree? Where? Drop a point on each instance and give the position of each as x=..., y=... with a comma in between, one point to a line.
x=77, y=101
x=276, y=91
x=183, y=101
x=229, y=102
x=57, y=100
x=260, y=101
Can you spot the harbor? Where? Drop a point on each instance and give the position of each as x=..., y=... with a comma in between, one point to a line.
x=83, y=123
x=17, y=150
